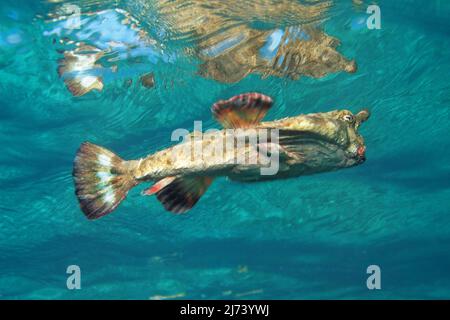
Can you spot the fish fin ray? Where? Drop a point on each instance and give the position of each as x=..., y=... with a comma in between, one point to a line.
x=179, y=194
x=242, y=111
x=294, y=143
x=102, y=180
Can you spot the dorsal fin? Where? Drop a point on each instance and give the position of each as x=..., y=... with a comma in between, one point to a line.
x=179, y=194
x=242, y=111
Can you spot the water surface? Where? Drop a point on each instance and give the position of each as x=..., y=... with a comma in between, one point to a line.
x=308, y=237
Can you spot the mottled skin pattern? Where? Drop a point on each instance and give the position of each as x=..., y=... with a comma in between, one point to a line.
x=333, y=143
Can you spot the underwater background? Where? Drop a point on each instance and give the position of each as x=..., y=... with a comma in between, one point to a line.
x=310, y=237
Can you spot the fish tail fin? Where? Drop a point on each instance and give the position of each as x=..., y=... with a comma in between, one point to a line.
x=102, y=180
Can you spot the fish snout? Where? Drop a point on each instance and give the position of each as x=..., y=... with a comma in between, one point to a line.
x=362, y=116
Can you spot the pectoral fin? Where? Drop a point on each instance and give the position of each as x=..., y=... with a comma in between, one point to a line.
x=179, y=194
x=294, y=143
x=283, y=152
x=242, y=111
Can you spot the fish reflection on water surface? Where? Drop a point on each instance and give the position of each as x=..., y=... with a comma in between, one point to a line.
x=231, y=49
x=221, y=34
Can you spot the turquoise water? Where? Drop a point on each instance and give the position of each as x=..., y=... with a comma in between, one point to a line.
x=308, y=237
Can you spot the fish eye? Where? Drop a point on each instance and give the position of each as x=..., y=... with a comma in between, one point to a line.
x=348, y=118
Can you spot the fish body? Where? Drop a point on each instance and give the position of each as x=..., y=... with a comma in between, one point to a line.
x=247, y=149
x=323, y=155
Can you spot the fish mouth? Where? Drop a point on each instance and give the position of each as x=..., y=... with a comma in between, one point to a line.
x=355, y=154
x=361, y=154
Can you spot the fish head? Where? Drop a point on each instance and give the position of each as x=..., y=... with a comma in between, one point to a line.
x=337, y=134
x=343, y=130
x=351, y=141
